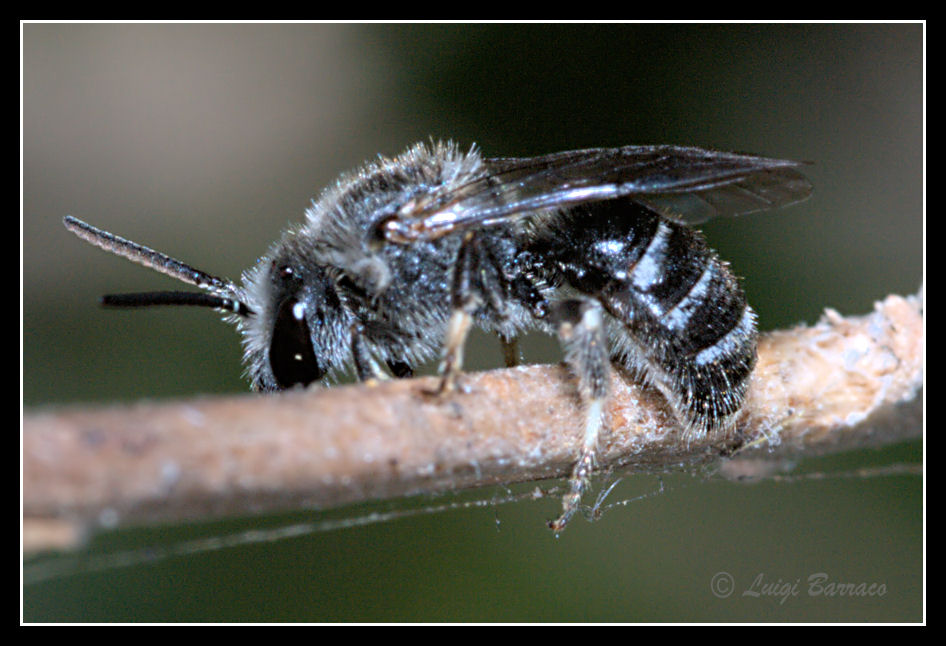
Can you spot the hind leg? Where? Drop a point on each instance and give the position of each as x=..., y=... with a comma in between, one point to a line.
x=582, y=330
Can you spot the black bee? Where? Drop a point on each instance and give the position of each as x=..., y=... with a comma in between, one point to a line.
x=396, y=261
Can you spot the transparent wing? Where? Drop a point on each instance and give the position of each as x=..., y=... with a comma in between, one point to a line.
x=684, y=183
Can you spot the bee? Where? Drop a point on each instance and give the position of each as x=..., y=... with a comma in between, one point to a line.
x=398, y=260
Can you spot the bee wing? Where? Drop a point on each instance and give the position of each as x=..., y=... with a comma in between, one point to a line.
x=688, y=184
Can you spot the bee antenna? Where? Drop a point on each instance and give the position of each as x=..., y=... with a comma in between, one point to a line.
x=152, y=259
x=148, y=299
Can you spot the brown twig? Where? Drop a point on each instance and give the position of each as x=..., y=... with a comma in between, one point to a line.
x=844, y=382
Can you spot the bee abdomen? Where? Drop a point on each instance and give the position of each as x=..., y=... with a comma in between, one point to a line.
x=683, y=322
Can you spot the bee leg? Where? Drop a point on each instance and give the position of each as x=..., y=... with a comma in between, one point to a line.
x=365, y=366
x=452, y=363
x=510, y=351
x=581, y=328
x=464, y=301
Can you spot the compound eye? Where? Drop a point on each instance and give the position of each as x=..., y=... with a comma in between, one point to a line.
x=290, y=351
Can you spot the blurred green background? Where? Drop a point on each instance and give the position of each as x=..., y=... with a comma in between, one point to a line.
x=205, y=141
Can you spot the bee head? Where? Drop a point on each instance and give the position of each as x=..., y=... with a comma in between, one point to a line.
x=300, y=330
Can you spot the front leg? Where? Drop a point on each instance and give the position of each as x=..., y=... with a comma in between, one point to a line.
x=365, y=366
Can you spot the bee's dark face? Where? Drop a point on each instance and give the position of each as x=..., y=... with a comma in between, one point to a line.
x=297, y=336
x=291, y=356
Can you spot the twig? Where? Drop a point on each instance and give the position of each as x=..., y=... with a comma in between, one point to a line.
x=842, y=383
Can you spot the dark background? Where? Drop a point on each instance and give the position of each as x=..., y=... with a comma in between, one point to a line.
x=205, y=141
